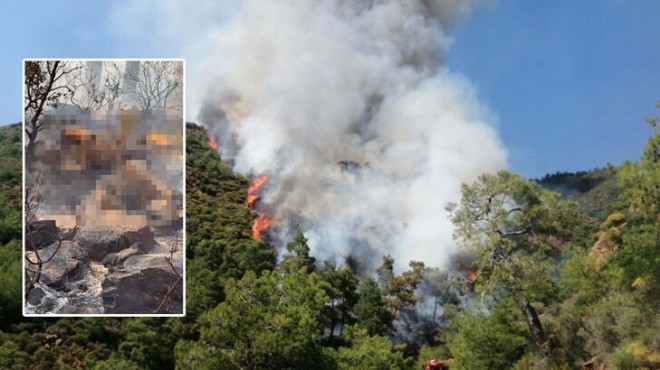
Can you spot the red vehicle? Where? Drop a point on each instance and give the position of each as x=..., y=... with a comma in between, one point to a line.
x=434, y=364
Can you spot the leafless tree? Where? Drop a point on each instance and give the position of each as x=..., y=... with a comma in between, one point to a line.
x=167, y=299
x=35, y=245
x=88, y=92
x=43, y=88
x=155, y=84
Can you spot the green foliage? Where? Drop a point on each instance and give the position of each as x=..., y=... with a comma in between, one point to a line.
x=595, y=190
x=368, y=352
x=532, y=252
x=581, y=276
x=399, y=291
x=11, y=355
x=10, y=281
x=371, y=310
x=10, y=222
x=191, y=355
x=641, y=182
x=10, y=183
x=341, y=288
x=427, y=353
x=638, y=260
x=609, y=307
x=219, y=242
x=266, y=321
x=114, y=362
x=489, y=341
x=298, y=255
x=149, y=342
x=516, y=229
x=10, y=160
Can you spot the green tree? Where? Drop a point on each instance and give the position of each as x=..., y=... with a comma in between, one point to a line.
x=149, y=342
x=367, y=352
x=640, y=256
x=266, y=322
x=494, y=340
x=371, y=310
x=10, y=281
x=341, y=289
x=399, y=290
x=641, y=181
x=194, y=355
x=115, y=362
x=514, y=227
x=298, y=255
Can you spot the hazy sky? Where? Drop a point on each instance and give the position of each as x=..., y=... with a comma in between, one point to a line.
x=570, y=82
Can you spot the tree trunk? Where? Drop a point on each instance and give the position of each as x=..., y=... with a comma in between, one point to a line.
x=533, y=322
x=332, y=319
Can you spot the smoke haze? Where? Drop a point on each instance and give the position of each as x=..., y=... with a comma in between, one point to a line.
x=346, y=106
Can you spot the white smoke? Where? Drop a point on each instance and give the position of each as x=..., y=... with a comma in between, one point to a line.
x=346, y=106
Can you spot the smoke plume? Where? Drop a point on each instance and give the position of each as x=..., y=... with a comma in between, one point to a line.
x=347, y=108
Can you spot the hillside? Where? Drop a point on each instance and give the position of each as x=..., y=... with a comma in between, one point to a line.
x=596, y=190
x=219, y=246
x=553, y=304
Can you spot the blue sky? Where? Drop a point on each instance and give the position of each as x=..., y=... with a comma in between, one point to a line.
x=571, y=82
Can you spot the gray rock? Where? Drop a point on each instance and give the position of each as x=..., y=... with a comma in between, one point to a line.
x=35, y=296
x=66, y=265
x=118, y=270
x=154, y=260
x=141, y=292
x=99, y=242
x=40, y=234
x=116, y=258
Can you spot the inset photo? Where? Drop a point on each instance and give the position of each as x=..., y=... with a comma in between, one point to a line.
x=103, y=188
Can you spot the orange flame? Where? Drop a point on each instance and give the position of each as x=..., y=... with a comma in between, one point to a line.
x=261, y=224
x=471, y=276
x=212, y=143
x=255, y=187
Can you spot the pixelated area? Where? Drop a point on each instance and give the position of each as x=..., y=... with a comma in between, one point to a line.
x=112, y=169
x=104, y=168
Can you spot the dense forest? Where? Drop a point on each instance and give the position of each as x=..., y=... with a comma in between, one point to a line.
x=548, y=280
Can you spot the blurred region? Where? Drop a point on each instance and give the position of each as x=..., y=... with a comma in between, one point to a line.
x=112, y=168
x=103, y=187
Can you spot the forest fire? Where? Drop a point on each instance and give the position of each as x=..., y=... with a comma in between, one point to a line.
x=212, y=143
x=471, y=276
x=254, y=190
x=261, y=224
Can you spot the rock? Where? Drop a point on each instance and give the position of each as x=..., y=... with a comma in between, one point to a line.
x=65, y=266
x=143, y=283
x=99, y=242
x=141, y=292
x=109, y=270
x=41, y=234
x=158, y=261
x=80, y=310
x=116, y=258
x=35, y=296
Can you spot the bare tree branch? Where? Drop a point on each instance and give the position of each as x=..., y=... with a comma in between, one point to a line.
x=42, y=80
x=170, y=260
x=152, y=84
